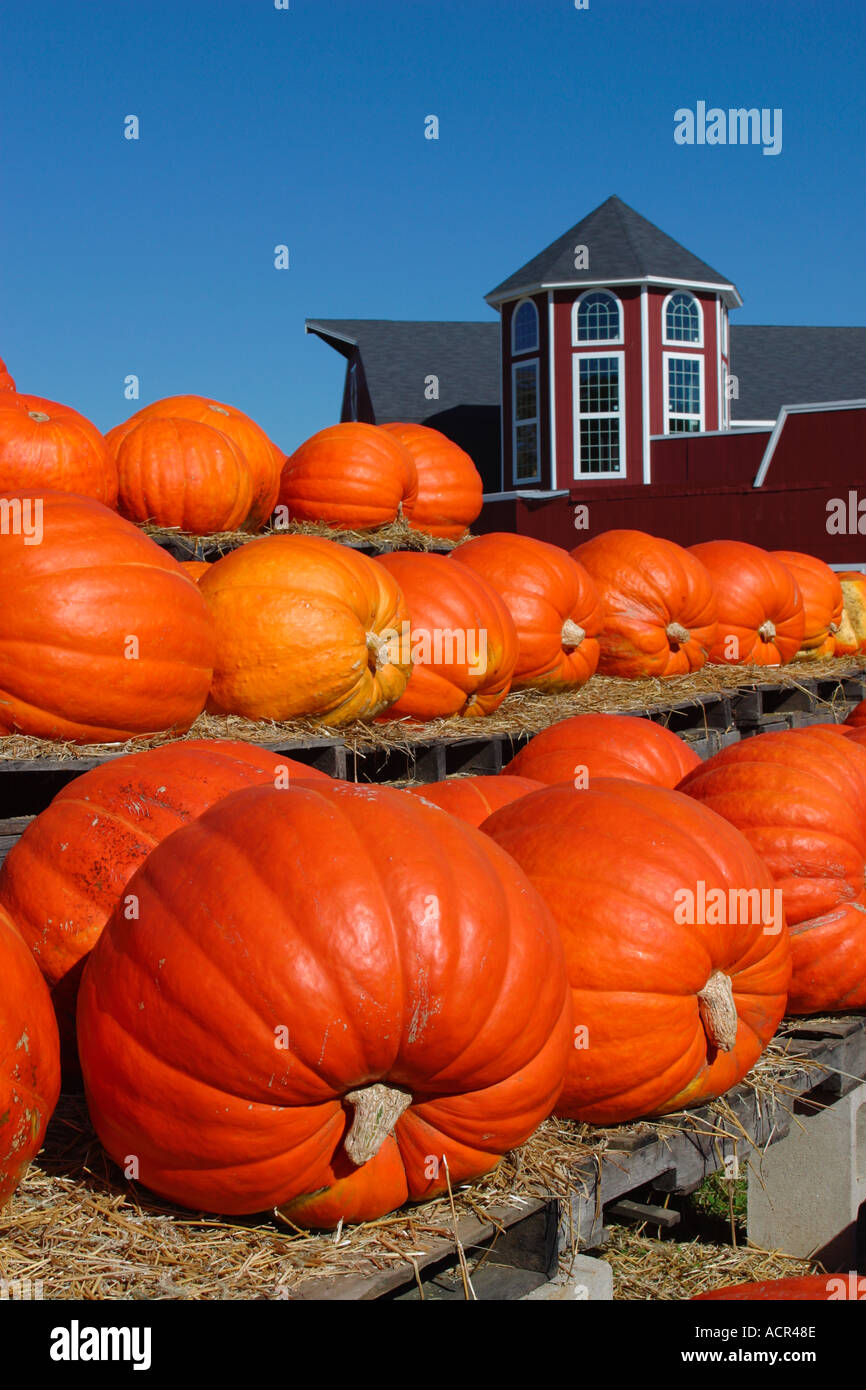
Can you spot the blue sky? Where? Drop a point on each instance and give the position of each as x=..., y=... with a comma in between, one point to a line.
x=305, y=126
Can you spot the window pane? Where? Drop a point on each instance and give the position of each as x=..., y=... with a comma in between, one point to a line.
x=525, y=327
x=526, y=393
x=526, y=451
x=599, y=385
x=599, y=446
x=597, y=318
x=684, y=387
x=683, y=319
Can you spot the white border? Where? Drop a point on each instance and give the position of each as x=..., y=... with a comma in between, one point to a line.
x=645, y=382
x=551, y=372
x=618, y=341
x=716, y=288
x=527, y=299
x=576, y=417
x=676, y=342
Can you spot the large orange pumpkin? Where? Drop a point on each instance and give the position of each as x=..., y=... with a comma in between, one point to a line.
x=194, y=569
x=857, y=717
x=248, y=438
x=29, y=1058
x=473, y=799
x=822, y=602
x=588, y=746
x=304, y=627
x=672, y=1006
x=46, y=445
x=351, y=476
x=761, y=613
x=552, y=600
x=180, y=473
x=102, y=636
x=333, y=999
x=6, y=381
x=658, y=601
x=462, y=642
x=450, y=491
x=62, y=879
x=798, y=797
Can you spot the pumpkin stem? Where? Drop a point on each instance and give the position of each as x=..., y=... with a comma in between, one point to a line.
x=39, y=416
x=767, y=631
x=572, y=634
x=377, y=1110
x=719, y=1011
x=675, y=632
x=834, y=628
x=379, y=650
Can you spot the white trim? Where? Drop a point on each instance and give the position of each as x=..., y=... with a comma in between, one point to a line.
x=515, y=351
x=581, y=343
x=312, y=326
x=721, y=396
x=706, y=433
x=780, y=425
x=751, y=424
x=535, y=494
x=523, y=290
x=645, y=382
x=551, y=361
x=687, y=357
x=536, y=420
x=680, y=342
x=576, y=358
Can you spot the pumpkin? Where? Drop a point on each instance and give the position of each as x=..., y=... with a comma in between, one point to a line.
x=670, y=1008
x=248, y=438
x=658, y=601
x=102, y=636
x=183, y=474
x=62, y=879
x=822, y=602
x=473, y=799
x=553, y=602
x=304, y=627
x=351, y=476
x=805, y=1288
x=460, y=636
x=798, y=798
x=6, y=381
x=450, y=491
x=587, y=746
x=857, y=717
x=333, y=999
x=194, y=569
x=852, y=632
x=29, y=1058
x=46, y=445
x=761, y=615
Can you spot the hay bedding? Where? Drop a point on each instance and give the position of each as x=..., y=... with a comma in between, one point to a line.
x=392, y=536
x=76, y=1224
x=522, y=712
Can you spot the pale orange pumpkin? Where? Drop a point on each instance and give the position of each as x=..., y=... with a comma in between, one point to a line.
x=822, y=602
x=449, y=495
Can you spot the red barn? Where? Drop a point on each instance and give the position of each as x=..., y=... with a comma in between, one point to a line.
x=614, y=392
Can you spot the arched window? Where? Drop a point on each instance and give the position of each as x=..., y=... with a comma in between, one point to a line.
x=597, y=318
x=524, y=327
x=682, y=318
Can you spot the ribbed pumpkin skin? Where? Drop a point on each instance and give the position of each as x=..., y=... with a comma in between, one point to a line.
x=822, y=602
x=351, y=476
x=588, y=746
x=61, y=881
x=357, y=919
x=29, y=1058
x=181, y=473
x=248, y=437
x=297, y=621
x=71, y=607
x=754, y=590
x=194, y=569
x=441, y=600
x=473, y=799
x=7, y=382
x=659, y=604
x=798, y=798
x=450, y=491
x=543, y=589
x=807, y=1288
x=47, y=445
x=609, y=862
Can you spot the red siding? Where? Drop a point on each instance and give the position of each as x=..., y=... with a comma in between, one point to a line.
x=708, y=460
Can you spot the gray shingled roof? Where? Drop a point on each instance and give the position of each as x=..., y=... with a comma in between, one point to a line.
x=399, y=355
x=777, y=366
x=622, y=245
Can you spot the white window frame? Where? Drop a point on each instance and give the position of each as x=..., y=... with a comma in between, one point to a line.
x=515, y=368
x=676, y=342
x=515, y=350
x=582, y=343
x=667, y=358
x=576, y=359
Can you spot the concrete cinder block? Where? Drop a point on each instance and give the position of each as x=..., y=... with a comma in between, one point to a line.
x=588, y=1280
x=804, y=1192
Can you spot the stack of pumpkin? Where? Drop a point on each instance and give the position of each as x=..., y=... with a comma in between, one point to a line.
x=332, y=998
